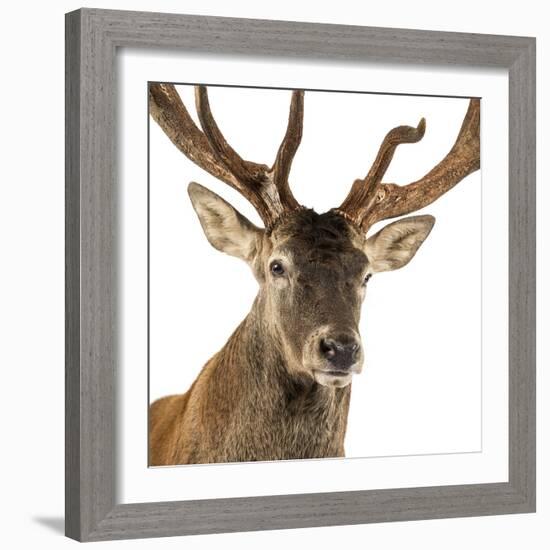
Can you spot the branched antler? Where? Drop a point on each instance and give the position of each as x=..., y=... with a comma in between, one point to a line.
x=370, y=201
x=266, y=188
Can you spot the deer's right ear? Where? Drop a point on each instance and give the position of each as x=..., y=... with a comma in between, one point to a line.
x=226, y=229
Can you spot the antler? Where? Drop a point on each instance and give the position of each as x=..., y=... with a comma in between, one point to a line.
x=370, y=201
x=267, y=189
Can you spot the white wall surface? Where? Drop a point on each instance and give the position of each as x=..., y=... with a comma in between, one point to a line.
x=31, y=295
x=199, y=295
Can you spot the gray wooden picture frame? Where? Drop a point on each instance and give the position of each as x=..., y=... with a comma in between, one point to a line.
x=92, y=39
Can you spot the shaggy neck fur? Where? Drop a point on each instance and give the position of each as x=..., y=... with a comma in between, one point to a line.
x=246, y=406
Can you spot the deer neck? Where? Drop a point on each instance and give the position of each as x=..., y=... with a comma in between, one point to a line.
x=259, y=350
x=280, y=415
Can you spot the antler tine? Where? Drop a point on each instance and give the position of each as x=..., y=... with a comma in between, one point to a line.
x=245, y=171
x=363, y=191
x=382, y=201
x=167, y=109
x=287, y=150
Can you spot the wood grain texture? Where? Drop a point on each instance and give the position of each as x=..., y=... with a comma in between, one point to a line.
x=72, y=276
x=91, y=338
x=92, y=37
x=522, y=275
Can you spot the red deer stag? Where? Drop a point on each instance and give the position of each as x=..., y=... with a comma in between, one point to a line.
x=280, y=386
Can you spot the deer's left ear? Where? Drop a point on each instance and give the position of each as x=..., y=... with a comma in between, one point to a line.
x=396, y=243
x=225, y=228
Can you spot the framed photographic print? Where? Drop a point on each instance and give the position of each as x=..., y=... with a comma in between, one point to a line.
x=300, y=275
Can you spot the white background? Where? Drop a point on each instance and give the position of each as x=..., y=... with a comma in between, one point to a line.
x=436, y=436
x=420, y=390
x=32, y=293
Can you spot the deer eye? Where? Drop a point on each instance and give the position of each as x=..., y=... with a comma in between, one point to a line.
x=277, y=268
x=366, y=279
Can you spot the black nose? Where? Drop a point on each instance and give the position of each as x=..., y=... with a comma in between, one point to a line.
x=340, y=352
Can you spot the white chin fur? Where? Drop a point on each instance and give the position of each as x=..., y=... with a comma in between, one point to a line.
x=331, y=380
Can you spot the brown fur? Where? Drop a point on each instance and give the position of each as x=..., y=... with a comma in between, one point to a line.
x=274, y=391
x=248, y=402
x=244, y=407
x=269, y=394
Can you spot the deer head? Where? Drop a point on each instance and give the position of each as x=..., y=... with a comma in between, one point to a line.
x=312, y=268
